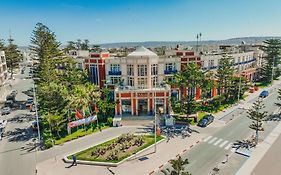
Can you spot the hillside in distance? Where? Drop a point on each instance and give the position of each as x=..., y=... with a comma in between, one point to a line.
x=248, y=40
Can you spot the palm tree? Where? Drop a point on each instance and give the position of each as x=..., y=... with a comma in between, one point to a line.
x=178, y=166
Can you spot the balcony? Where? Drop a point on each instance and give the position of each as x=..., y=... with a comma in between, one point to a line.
x=114, y=72
x=173, y=71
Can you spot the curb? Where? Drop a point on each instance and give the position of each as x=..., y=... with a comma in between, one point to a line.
x=169, y=161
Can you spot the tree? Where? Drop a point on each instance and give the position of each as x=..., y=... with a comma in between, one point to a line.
x=2, y=45
x=271, y=59
x=224, y=74
x=85, y=45
x=207, y=85
x=190, y=78
x=257, y=116
x=13, y=56
x=45, y=48
x=178, y=166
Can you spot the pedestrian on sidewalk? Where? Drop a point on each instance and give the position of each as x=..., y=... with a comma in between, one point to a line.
x=74, y=163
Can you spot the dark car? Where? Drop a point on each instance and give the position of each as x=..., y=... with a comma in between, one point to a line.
x=264, y=94
x=206, y=120
x=34, y=125
x=11, y=97
x=6, y=111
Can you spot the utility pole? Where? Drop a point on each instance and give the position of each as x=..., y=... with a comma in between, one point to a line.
x=239, y=86
x=155, y=129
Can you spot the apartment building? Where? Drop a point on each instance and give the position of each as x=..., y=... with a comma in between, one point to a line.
x=3, y=68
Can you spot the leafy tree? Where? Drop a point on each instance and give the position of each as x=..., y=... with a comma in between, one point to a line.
x=13, y=56
x=224, y=75
x=178, y=166
x=257, y=116
x=106, y=105
x=272, y=51
x=71, y=45
x=190, y=78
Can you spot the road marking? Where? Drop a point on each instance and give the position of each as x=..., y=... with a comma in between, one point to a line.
x=228, y=146
x=223, y=143
x=233, y=150
x=207, y=138
x=217, y=142
x=211, y=141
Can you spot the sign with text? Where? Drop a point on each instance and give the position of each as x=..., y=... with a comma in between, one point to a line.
x=82, y=121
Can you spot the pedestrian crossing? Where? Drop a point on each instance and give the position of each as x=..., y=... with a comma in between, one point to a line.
x=219, y=142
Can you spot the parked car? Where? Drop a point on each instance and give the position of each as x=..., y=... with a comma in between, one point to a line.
x=264, y=94
x=29, y=102
x=33, y=109
x=206, y=120
x=11, y=97
x=34, y=125
x=6, y=111
x=9, y=103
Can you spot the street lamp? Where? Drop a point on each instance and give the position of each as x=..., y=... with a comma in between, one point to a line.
x=239, y=86
x=155, y=130
x=36, y=113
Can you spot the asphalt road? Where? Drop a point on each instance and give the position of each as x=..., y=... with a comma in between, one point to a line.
x=17, y=148
x=214, y=148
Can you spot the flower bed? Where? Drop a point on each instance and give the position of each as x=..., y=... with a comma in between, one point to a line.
x=117, y=149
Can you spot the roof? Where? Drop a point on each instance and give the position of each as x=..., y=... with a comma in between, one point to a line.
x=142, y=51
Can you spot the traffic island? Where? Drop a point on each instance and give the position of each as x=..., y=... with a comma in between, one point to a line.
x=115, y=151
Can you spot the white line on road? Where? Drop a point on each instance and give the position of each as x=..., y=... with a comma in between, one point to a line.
x=217, y=142
x=228, y=146
x=208, y=138
x=211, y=141
x=223, y=143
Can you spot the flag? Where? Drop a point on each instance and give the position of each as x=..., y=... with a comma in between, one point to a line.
x=78, y=115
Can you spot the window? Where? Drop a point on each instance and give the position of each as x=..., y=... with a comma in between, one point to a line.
x=131, y=81
x=142, y=70
x=154, y=81
x=154, y=70
x=115, y=80
x=80, y=66
x=170, y=66
x=115, y=67
x=142, y=83
x=130, y=69
x=211, y=63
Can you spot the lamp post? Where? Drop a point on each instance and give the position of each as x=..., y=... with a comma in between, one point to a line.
x=36, y=113
x=239, y=85
x=155, y=130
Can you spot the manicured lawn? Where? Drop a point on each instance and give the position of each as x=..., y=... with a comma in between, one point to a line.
x=77, y=134
x=117, y=149
x=262, y=84
x=191, y=121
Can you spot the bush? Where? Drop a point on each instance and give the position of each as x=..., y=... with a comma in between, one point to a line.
x=109, y=121
x=48, y=143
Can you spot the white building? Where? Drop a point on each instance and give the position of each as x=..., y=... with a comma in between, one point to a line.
x=3, y=68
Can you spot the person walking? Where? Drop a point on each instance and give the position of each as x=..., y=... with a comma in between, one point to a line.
x=74, y=163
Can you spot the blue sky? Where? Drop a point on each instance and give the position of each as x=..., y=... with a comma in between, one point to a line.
x=103, y=21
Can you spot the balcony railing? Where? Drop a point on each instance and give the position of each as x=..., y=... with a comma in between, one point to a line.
x=114, y=72
x=235, y=64
x=170, y=71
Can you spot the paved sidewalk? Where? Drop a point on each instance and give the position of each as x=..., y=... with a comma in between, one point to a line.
x=260, y=151
x=151, y=161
